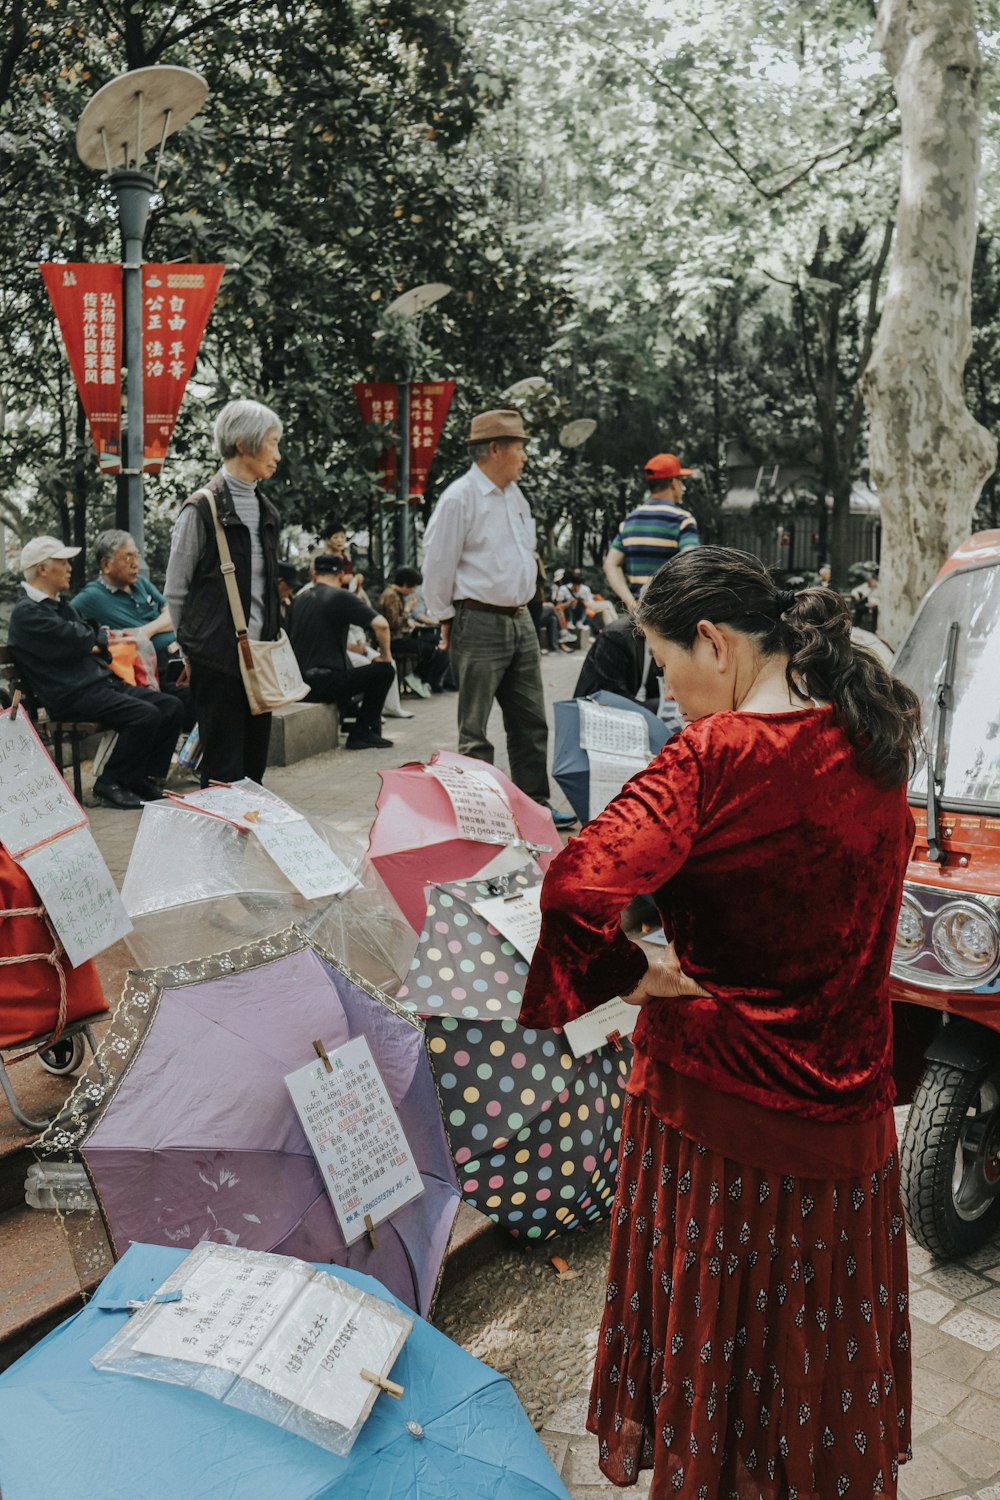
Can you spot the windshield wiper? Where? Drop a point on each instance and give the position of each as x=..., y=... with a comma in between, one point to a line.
x=937, y=748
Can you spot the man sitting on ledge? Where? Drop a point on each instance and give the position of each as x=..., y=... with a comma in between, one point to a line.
x=65, y=662
x=319, y=625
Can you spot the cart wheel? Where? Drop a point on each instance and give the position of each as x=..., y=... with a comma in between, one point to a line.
x=64, y=1056
x=950, y=1159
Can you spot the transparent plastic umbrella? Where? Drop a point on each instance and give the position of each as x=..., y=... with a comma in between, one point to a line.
x=196, y=885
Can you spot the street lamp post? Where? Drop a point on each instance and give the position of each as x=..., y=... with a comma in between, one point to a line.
x=125, y=119
x=573, y=436
x=409, y=305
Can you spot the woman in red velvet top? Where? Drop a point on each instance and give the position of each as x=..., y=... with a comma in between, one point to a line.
x=755, y=1341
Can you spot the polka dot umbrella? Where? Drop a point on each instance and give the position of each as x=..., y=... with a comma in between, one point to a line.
x=534, y=1130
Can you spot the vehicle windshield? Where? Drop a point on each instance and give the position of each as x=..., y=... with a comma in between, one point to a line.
x=972, y=764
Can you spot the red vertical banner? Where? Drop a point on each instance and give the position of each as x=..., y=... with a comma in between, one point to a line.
x=377, y=401
x=429, y=403
x=176, y=302
x=87, y=301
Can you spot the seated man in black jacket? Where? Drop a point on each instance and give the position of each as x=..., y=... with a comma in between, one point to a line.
x=65, y=661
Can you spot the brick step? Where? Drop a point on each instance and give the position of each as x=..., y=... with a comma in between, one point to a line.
x=41, y=1287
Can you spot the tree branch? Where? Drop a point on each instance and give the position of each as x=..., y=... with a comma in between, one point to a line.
x=868, y=336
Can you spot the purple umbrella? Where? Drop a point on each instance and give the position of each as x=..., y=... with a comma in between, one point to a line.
x=199, y=1140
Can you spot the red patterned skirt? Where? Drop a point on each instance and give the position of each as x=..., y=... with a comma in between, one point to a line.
x=755, y=1341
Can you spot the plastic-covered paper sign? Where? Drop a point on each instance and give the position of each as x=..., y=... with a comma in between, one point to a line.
x=296, y=848
x=356, y=1137
x=35, y=802
x=79, y=894
x=516, y=917
x=268, y=1334
x=482, y=812
x=617, y=746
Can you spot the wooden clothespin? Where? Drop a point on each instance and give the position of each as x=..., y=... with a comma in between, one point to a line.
x=320, y=1051
x=15, y=703
x=253, y=816
x=389, y=1386
x=370, y=1231
x=614, y=1040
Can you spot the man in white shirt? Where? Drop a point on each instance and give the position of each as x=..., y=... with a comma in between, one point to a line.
x=479, y=575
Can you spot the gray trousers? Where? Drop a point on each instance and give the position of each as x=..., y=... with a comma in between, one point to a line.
x=497, y=656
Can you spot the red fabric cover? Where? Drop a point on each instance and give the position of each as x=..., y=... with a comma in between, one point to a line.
x=29, y=992
x=777, y=868
x=755, y=1341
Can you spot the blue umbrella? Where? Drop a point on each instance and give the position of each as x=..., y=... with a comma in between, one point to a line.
x=570, y=766
x=76, y=1433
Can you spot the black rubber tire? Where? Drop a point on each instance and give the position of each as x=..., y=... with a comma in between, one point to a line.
x=65, y=1056
x=952, y=1200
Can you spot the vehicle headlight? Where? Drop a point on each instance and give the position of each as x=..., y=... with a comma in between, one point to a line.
x=909, y=930
x=966, y=939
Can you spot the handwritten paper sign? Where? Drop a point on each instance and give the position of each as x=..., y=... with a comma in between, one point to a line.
x=481, y=809
x=77, y=890
x=355, y=1135
x=259, y=1331
x=35, y=802
x=302, y=856
x=244, y=804
x=517, y=917
x=617, y=745
x=590, y=1032
x=288, y=837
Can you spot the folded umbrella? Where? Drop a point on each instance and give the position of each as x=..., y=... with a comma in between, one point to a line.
x=415, y=839
x=73, y=1432
x=195, y=1136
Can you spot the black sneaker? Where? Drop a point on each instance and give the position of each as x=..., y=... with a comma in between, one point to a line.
x=113, y=795
x=364, y=739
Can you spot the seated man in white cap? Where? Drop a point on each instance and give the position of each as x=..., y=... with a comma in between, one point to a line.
x=65, y=662
x=480, y=572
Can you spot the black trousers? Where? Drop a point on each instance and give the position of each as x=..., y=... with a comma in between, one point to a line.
x=148, y=724
x=429, y=663
x=233, y=740
x=341, y=685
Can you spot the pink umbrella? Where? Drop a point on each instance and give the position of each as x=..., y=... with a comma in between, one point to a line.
x=415, y=840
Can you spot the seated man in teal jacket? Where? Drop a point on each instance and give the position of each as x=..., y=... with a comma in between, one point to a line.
x=122, y=598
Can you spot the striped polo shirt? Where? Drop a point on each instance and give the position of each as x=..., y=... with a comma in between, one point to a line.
x=650, y=535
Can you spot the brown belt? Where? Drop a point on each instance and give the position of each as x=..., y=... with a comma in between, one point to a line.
x=491, y=609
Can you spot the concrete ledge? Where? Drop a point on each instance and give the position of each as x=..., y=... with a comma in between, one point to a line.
x=301, y=730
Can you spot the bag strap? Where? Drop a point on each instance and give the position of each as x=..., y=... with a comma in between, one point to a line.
x=229, y=579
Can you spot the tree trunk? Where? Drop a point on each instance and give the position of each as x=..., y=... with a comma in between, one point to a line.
x=929, y=457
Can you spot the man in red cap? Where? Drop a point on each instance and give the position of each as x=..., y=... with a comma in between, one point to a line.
x=653, y=533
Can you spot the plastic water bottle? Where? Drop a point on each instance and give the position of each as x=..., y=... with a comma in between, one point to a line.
x=62, y=1185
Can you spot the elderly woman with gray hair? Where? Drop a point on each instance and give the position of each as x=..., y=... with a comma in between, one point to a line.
x=233, y=741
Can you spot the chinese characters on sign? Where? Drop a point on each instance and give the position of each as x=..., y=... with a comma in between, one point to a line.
x=87, y=301
x=617, y=745
x=355, y=1135
x=45, y=829
x=429, y=402
x=260, y=1331
x=176, y=302
x=481, y=809
x=377, y=402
